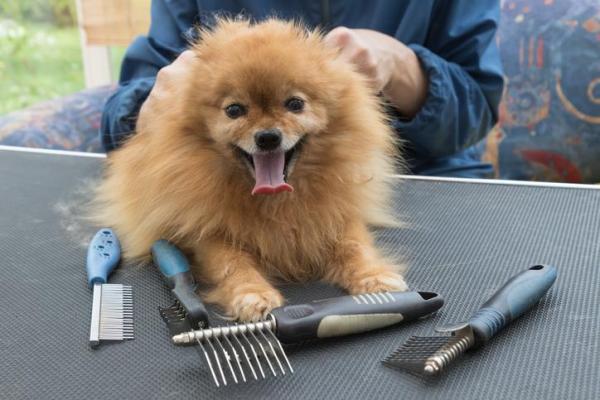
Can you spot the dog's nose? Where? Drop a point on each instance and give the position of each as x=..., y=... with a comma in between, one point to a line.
x=268, y=139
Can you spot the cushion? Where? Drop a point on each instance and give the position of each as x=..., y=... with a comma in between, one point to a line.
x=69, y=123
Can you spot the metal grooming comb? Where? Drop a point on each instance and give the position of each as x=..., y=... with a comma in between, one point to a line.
x=112, y=307
x=188, y=311
x=430, y=355
x=242, y=347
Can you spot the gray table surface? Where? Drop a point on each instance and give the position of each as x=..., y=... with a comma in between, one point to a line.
x=463, y=240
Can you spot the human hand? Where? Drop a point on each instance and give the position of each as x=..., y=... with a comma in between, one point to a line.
x=390, y=66
x=169, y=82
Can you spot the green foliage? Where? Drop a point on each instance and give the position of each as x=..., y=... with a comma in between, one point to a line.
x=58, y=12
x=64, y=11
x=40, y=53
x=37, y=62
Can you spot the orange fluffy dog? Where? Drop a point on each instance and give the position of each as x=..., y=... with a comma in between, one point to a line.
x=268, y=163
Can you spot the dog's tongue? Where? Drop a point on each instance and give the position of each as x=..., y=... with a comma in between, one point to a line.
x=268, y=168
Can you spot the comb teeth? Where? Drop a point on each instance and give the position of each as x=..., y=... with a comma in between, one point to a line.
x=239, y=352
x=112, y=313
x=428, y=355
x=175, y=317
x=174, y=312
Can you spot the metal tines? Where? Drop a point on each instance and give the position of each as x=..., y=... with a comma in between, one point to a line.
x=239, y=352
x=175, y=318
x=173, y=313
x=428, y=355
x=112, y=313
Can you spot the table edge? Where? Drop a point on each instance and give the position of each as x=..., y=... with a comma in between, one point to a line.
x=507, y=182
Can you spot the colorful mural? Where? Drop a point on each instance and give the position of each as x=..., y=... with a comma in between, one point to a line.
x=550, y=114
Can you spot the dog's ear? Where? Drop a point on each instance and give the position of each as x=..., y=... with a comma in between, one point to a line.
x=195, y=35
x=208, y=22
x=217, y=26
x=192, y=35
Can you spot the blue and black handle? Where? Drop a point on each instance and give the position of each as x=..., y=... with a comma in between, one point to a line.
x=347, y=315
x=189, y=311
x=512, y=300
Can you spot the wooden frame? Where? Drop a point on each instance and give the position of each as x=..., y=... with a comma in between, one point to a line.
x=105, y=23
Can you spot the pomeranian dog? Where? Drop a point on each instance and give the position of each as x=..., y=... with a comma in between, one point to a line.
x=268, y=164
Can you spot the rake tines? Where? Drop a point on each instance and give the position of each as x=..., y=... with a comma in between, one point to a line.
x=242, y=352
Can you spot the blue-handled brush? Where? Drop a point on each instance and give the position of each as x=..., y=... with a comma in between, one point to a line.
x=112, y=307
x=188, y=311
x=430, y=355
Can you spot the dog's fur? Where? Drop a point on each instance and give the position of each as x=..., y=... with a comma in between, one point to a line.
x=179, y=178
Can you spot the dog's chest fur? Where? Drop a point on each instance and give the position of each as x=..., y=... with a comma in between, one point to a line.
x=292, y=240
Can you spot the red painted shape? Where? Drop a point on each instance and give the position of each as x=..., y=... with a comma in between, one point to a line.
x=555, y=162
x=530, y=52
x=540, y=53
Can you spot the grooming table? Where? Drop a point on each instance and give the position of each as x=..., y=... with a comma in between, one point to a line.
x=463, y=240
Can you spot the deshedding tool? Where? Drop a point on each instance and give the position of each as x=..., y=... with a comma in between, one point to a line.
x=246, y=344
x=430, y=355
x=112, y=307
x=188, y=311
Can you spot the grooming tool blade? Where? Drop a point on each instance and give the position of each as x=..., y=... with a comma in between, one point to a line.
x=112, y=313
x=112, y=306
x=431, y=355
x=175, y=318
x=254, y=350
x=238, y=353
x=188, y=311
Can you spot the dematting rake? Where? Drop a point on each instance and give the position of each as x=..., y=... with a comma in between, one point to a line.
x=242, y=349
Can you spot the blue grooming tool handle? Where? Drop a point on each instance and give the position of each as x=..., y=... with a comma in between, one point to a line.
x=104, y=253
x=169, y=259
x=512, y=300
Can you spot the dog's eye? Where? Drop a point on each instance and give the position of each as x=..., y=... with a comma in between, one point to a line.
x=235, y=110
x=294, y=104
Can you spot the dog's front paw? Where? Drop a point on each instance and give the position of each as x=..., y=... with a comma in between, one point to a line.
x=378, y=281
x=252, y=305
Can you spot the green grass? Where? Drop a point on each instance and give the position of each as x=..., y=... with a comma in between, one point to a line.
x=40, y=62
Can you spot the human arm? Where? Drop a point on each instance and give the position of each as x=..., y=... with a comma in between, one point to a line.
x=461, y=66
x=166, y=39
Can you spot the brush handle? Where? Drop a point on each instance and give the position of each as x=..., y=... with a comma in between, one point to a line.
x=104, y=252
x=351, y=314
x=171, y=262
x=175, y=270
x=512, y=300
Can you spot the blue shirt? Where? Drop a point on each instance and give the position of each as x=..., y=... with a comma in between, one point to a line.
x=454, y=40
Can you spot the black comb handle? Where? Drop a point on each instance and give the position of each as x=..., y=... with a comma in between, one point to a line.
x=351, y=314
x=176, y=272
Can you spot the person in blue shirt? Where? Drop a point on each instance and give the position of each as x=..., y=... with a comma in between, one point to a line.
x=435, y=62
